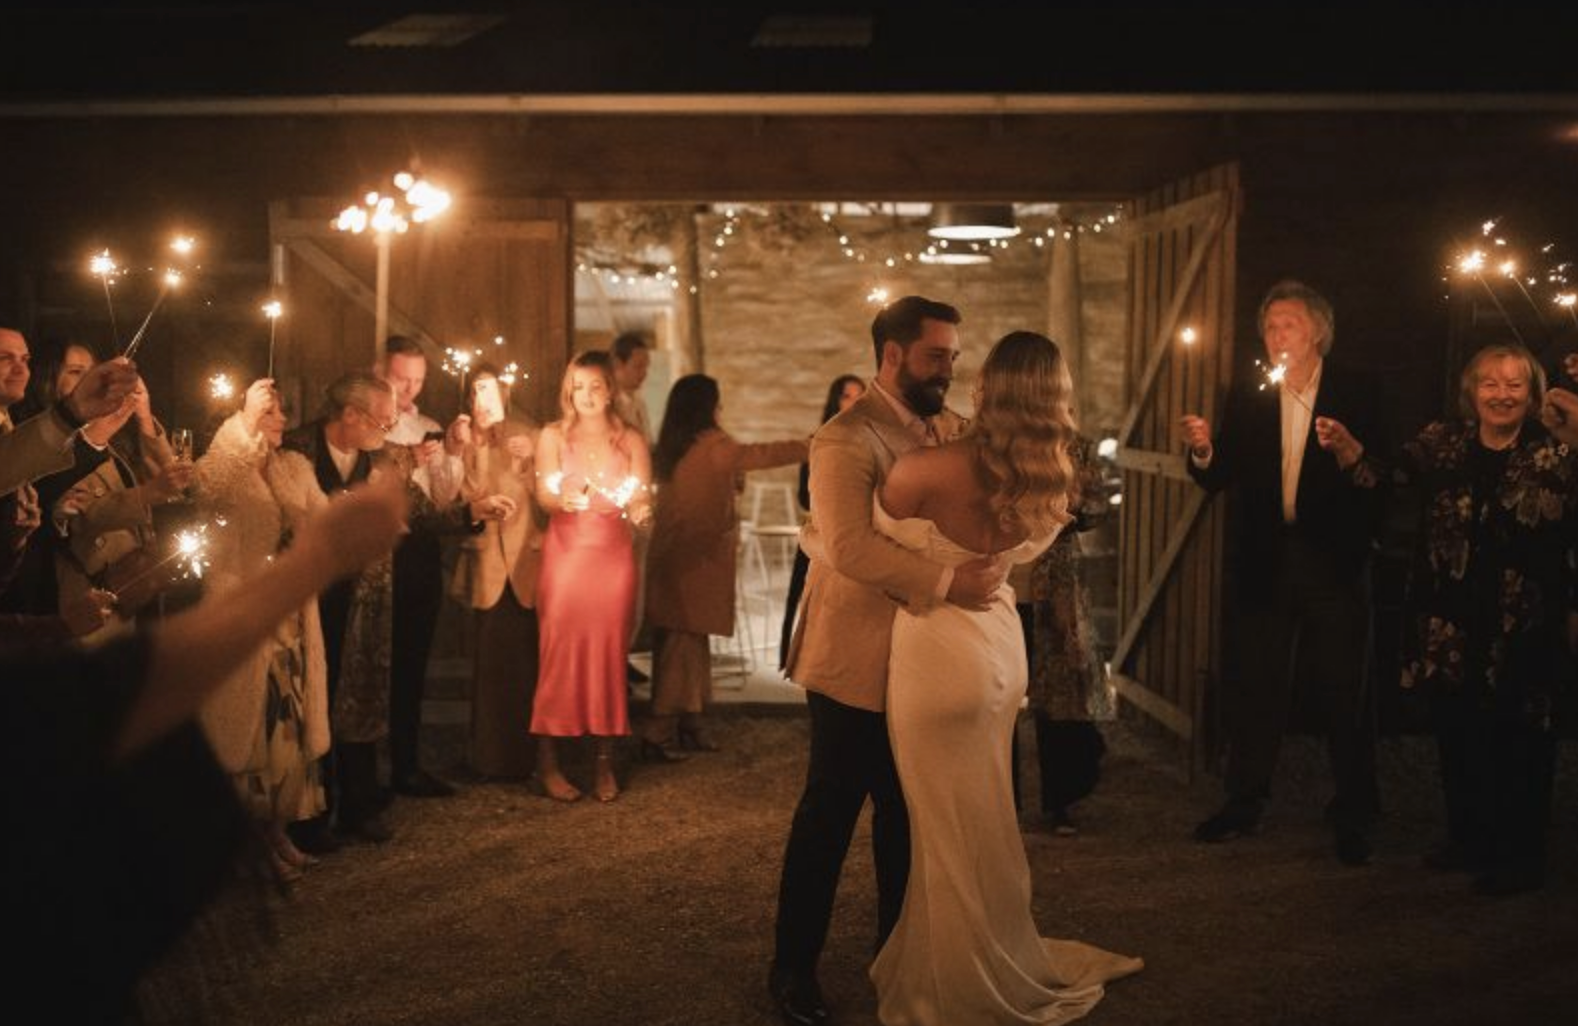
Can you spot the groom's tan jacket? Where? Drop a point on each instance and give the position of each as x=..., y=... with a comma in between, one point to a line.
x=858, y=576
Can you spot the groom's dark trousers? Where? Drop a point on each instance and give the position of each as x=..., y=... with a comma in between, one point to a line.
x=850, y=759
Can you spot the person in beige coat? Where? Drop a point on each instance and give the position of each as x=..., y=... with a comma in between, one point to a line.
x=268, y=722
x=839, y=652
x=497, y=577
x=691, y=562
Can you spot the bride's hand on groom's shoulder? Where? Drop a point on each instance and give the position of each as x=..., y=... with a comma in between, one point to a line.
x=975, y=583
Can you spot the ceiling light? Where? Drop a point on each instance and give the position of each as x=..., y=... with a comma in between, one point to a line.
x=973, y=221
x=958, y=254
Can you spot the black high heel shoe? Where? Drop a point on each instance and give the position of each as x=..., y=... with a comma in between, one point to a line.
x=693, y=739
x=651, y=751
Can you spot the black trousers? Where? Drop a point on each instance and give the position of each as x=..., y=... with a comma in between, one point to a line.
x=418, y=594
x=1498, y=775
x=334, y=612
x=850, y=759
x=1311, y=624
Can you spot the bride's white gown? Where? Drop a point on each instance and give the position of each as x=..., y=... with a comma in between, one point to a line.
x=966, y=950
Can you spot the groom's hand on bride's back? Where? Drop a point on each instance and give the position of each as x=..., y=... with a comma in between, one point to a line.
x=976, y=582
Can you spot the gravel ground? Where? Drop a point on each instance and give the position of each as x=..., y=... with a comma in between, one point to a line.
x=496, y=907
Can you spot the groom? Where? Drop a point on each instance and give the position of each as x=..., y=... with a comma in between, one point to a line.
x=839, y=653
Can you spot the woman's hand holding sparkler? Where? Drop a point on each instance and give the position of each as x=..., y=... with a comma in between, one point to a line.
x=259, y=399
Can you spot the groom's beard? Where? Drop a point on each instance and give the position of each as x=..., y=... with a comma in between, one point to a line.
x=924, y=395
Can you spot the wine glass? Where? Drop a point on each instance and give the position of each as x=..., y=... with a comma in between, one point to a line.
x=181, y=443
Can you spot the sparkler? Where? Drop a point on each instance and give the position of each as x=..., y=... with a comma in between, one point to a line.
x=458, y=362
x=1275, y=373
x=1569, y=302
x=1473, y=263
x=103, y=265
x=221, y=387
x=190, y=553
x=172, y=278
x=272, y=309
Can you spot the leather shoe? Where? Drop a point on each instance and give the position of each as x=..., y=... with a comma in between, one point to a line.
x=1227, y=825
x=371, y=829
x=651, y=751
x=797, y=996
x=1353, y=848
x=313, y=836
x=422, y=784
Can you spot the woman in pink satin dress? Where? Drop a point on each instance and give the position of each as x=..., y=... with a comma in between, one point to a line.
x=592, y=478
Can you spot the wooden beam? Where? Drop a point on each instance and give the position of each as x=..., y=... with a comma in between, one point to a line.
x=1145, y=461
x=338, y=275
x=1154, y=705
x=1160, y=573
x=1214, y=204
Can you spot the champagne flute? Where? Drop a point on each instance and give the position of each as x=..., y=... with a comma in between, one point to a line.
x=181, y=443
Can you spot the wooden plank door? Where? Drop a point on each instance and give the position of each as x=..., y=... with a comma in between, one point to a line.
x=484, y=270
x=1170, y=536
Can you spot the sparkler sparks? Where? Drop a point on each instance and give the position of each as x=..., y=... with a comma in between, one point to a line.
x=221, y=387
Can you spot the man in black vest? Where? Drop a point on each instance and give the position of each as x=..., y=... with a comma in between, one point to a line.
x=1303, y=521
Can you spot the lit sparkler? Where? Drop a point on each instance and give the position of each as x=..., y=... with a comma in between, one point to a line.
x=103, y=265
x=1473, y=263
x=221, y=387
x=190, y=554
x=512, y=373
x=272, y=310
x=458, y=362
x=172, y=278
x=1275, y=375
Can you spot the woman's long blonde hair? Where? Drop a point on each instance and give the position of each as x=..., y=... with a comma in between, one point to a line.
x=1023, y=429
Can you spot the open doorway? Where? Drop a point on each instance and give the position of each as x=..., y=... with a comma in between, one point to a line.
x=775, y=299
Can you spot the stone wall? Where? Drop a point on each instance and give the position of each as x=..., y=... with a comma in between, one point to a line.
x=779, y=320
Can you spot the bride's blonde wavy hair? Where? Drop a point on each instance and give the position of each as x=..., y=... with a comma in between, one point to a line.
x=1022, y=430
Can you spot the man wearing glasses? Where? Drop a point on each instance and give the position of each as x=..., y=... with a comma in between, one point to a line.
x=341, y=445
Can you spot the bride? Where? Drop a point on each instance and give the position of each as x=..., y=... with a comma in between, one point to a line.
x=966, y=949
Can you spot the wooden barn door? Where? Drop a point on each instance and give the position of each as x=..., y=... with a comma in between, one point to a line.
x=484, y=270
x=1170, y=537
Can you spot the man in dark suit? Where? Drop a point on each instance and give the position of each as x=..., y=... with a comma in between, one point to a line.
x=1303, y=520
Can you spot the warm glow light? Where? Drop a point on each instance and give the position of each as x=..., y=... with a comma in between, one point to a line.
x=1187, y=336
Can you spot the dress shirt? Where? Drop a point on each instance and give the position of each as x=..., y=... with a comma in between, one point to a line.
x=439, y=478
x=1298, y=409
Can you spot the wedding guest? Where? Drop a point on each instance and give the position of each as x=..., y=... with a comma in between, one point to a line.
x=58, y=366
x=418, y=567
x=593, y=475
x=497, y=577
x=132, y=826
x=107, y=517
x=42, y=444
x=632, y=355
x=699, y=469
x=1303, y=521
x=269, y=721
x=841, y=395
x=1069, y=693
x=1493, y=603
